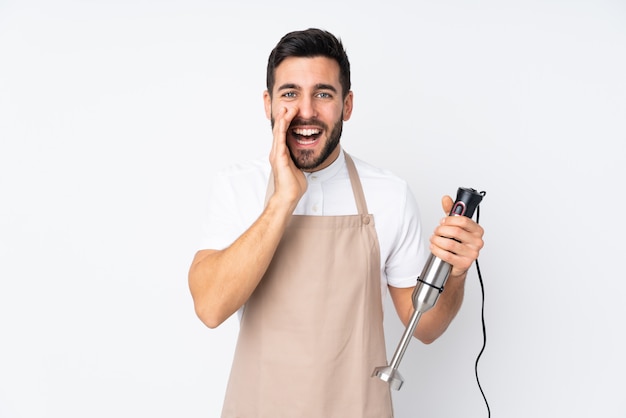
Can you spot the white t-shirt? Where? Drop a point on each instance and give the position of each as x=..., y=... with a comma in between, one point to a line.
x=237, y=197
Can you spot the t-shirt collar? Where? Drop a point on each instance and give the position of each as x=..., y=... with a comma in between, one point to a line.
x=330, y=171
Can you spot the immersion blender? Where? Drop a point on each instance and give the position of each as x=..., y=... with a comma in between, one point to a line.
x=429, y=285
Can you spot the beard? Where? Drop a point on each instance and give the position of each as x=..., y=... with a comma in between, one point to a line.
x=306, y=159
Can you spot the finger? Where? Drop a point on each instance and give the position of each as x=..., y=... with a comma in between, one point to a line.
x=467, y=232
x=281, y=124
x=278, y=122
x=283, y=120
x=446, y=204
x=459, y=255
x=462, y=222
x=463, y=243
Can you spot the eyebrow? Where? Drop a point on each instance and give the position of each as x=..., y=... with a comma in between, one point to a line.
x=319, y=86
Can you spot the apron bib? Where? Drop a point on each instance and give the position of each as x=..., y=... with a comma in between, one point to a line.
x=312, y=331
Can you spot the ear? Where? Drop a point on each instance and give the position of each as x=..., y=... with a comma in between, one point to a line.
x=267, y=102
x=347, y=106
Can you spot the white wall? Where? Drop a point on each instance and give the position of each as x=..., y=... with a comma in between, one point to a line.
x=114, y=114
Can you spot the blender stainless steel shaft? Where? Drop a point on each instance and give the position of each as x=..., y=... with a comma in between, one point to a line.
x=429, y=285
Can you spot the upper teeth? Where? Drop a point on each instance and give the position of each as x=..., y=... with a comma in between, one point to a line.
x=306, y=132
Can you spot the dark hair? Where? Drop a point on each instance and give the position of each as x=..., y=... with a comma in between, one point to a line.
x=309, y=43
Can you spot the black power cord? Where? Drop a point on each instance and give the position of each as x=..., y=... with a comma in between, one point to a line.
x=482, y=311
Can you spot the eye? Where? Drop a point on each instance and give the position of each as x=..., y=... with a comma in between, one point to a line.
x=324, y=95
x=289, y=94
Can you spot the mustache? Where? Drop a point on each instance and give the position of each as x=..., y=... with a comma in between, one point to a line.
x=307, y=122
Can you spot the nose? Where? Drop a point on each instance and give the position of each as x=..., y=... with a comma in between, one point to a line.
x=307, y=108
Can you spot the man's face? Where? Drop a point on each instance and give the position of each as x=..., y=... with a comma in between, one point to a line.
x=312, y=86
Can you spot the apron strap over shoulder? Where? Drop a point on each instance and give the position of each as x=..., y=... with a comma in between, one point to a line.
x=357, y=189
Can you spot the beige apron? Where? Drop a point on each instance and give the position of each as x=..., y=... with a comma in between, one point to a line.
x=312, y=332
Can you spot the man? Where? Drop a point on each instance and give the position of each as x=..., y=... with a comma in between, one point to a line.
x=306, y=247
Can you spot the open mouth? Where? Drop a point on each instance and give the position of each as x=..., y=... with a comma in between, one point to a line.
x=306, y=136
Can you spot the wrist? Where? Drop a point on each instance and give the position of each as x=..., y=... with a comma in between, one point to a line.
x=458, y=276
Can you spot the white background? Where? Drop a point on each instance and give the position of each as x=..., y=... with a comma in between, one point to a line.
x=113, y=115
